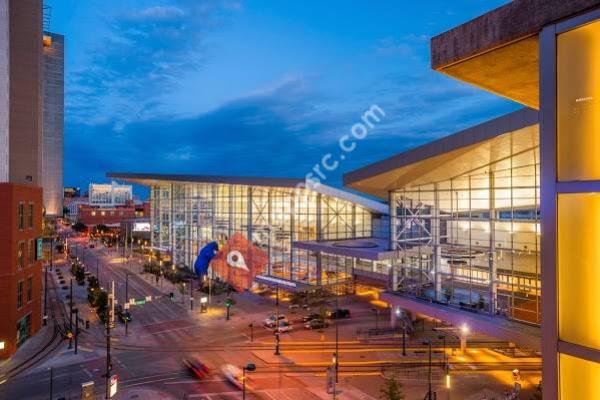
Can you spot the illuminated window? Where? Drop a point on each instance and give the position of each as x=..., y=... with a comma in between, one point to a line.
x=93, y=213
x=21, y=255
x=578, y=103
x=102, y=213
x=30, y=216
x=578, y=268
x=21, y=216
x=19, y=295
x=578, y=378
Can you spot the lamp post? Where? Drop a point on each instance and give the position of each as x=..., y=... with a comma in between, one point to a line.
x=430, y=391
x=334, y=363
x=376, y=311
x=191, y=295
x=443, y=337
x=126, y=301
x=71, y=313
x=464, y=332
x=250, y=367
x=277, y=353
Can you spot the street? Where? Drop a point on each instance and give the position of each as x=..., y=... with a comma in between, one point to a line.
x=164, y=331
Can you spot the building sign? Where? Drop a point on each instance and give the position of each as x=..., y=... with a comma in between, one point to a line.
x=239, y=262
x=141, y=226
x=39, y=249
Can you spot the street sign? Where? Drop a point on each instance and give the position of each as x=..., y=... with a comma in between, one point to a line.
x=87, y=390
x=139, y=302
x=114, y=380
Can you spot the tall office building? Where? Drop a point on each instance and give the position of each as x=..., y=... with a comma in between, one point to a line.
x=53, y=124
x=20, y=171
x=20, y=91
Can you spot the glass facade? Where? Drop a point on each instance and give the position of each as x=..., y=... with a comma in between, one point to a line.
x=473, y=240
x=186, y=216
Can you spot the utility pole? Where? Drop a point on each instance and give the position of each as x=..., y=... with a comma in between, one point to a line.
x=71, y=314
x=403, y=338
x=97, y=269
x=46, y=281
x=108, y=362
x=191, y=295
x=126, y=300
x=76, y=328
x=429, y=393
x=337, y=339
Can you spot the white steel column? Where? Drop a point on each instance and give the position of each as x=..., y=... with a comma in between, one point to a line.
x=436, y=257
x=492, y=244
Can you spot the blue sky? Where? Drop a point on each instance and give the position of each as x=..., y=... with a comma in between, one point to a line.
x=255, y=87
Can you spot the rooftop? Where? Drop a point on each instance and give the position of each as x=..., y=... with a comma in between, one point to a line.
x=450, y=156
x=149, y=179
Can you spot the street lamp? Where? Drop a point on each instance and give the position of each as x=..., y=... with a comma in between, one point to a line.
x=250, y=368
x=430, y=395
x=376, y=311
x=464, y=332
x=277, y=339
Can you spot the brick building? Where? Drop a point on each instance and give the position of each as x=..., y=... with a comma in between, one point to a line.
x=20, y=266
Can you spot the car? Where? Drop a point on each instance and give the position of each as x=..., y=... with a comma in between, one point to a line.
x=310, y=317
x=269, y=322
x=284, y=326
x=339, y=313
x=234, y=374
x=196, y=368
x=316, y=324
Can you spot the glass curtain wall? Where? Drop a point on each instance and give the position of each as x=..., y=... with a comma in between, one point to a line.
x=474, y=240
x=186, y=216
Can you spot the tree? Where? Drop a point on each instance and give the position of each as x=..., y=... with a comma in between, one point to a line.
x=79, y=227
x=391, y=390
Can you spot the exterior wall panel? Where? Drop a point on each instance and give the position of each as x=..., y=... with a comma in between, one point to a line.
x=4, y=90
x=25, y=91
x=52, y=165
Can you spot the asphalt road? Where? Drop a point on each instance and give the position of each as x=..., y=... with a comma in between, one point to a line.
x=163, y=332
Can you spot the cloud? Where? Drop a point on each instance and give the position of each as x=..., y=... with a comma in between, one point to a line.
x=282, y=130
x=140, y=61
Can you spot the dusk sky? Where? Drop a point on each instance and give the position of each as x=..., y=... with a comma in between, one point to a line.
x=254, y=87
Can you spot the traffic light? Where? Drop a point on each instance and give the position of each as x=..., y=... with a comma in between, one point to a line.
x=228, y=302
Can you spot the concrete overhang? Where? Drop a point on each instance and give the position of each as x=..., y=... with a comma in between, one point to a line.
x=450, y=157
x=373, y=249
x=499, y=51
